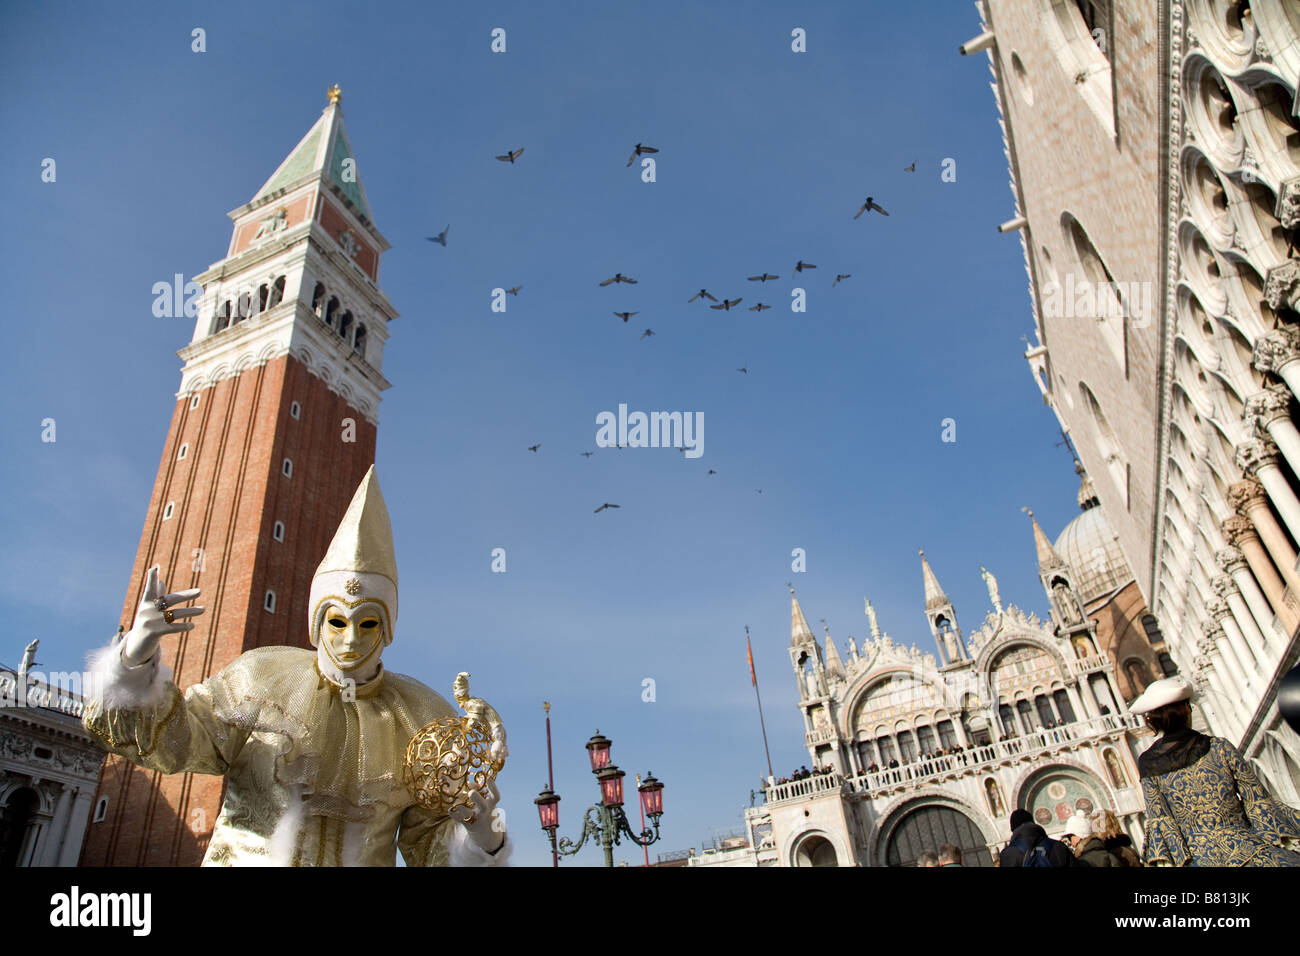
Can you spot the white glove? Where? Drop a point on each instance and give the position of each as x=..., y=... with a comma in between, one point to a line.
x=140, y=644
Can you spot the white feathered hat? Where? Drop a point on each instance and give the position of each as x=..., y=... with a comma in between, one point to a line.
x=359, y=565
x=1159, y=693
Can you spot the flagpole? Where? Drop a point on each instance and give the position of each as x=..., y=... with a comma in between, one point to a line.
x=754, y=677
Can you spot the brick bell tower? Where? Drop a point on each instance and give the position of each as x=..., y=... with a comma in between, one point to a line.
x=273, y=429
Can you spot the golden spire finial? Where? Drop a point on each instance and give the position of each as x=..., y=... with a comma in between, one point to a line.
x=335, y=93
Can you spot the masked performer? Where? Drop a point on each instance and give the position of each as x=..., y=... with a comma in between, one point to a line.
x=1204, y=804
x=311, y=743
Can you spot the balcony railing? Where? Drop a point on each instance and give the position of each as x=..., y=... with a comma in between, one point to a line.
x=977, y=759
x=1085, y=665
x=815, y=737
x=818, y=783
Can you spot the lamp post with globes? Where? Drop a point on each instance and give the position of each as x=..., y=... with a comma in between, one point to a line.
x=605, y=821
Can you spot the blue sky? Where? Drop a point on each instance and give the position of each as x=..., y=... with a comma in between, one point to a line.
x=765, y=156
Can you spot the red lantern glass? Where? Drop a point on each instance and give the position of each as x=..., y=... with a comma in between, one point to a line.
x=652, y=796
x=598, y=750
x=611, y=786
x=548, y=808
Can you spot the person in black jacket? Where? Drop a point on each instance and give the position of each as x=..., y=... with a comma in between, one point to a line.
x=1025, y=835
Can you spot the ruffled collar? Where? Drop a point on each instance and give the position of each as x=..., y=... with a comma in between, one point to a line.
x=1174, y=751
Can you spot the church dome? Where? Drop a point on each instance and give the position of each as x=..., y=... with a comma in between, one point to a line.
x=1089, y=545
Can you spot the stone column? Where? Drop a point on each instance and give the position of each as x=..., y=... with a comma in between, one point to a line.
x=1270, y=411
x=1242, y=535
x=1244, y=660
x=1238, y=685
x=1225, y=589
x=49, y=853
x=1258, y=458
x=1207, y=679
x=1076, y=703
x=1250, y=501
x=1230, y=559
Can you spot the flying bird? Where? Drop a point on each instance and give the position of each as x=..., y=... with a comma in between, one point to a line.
x=910, y=169
x=705, y=293
x=640, y=150
x=586, y=454
x=440, y=238
x=726, y=304
x=846, y=275
x=744, y=370
x=604, y=506
x=534, y=447
x=625, y=315
x=515, y=290
x=801, y=265
x=759, y=308
x=647, y=333
x=870, y=204
x=712, y=472
x=763, y=278
x=510, y=157
x=619, y=277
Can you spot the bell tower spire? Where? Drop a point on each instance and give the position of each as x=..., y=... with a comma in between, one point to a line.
x=272, y=429
x=943, y=618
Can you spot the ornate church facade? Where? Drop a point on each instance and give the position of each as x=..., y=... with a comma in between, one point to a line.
x=911, y=750
x=1154, y=157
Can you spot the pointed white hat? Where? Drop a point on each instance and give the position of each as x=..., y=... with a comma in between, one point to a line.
x=359, y=564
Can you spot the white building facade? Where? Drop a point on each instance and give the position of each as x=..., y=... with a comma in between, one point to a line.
x=1154, y=151
x=926, y=749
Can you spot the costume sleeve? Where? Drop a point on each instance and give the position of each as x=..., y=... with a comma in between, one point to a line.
x=428, y=840
x=1271, y=819
x=140, y=714
x=1163, y=840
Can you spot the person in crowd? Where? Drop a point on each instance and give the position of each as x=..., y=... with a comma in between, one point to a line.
x=927, y=858
x=1204, y=804
x=1115, y=839
x=950, y=855
x=1088, y=849
x=1031, y=846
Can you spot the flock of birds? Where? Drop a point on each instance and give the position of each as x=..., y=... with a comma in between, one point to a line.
x=722, y=305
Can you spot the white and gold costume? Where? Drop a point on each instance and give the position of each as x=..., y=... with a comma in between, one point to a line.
x=313, y=763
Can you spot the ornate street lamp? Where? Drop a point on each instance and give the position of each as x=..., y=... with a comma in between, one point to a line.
x=605, y=821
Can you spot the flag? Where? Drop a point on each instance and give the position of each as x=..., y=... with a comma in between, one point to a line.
x=750, y=651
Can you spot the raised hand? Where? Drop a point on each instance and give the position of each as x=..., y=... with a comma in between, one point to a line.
x=140, y=644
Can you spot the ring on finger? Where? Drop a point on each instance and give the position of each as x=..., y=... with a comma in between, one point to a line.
x=160, y=604
x=169, y=617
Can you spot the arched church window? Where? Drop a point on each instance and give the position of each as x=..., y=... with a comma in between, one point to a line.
x=1063, y=707
x=1044, y=711
x=907, y=745
x=947, y=736
x=277, y=293
x=1167, y=664
x=345, y=325
x=318, y=299
x=1139, y=675
x=268, y=604
x=243, y=306
x=1026, y=720
x=101, y=810
x=331, y=310
x=263, y=296
x=1008, y=718
x=926, y=740
x=359, y=345
x=286, y=468
x=816, y=851
x=277, y=531
x=930, y=827
x=15, y=816
x=1152, y=627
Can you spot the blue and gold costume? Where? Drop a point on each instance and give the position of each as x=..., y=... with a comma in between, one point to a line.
x=1206, y=807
